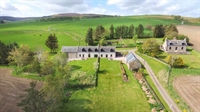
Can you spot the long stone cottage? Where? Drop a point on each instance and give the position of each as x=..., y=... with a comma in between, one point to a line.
x=89, y=51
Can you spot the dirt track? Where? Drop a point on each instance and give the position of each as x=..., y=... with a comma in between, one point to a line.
x=10, y=89
x=193, y=32
x=188, y=88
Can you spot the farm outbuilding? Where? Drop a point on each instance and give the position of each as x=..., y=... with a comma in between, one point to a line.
x=132, y=62
x=89, y=51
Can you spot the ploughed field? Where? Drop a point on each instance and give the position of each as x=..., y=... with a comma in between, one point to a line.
x=188, y=88
x=193, y=33
x=10, y=89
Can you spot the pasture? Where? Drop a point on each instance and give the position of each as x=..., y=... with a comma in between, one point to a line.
x=111, y=94
x=70, y=33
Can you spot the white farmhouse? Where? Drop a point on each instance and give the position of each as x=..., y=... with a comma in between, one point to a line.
x=175, y=46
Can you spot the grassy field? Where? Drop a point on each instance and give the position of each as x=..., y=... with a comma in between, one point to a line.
x=71, y=33
x=112, y=93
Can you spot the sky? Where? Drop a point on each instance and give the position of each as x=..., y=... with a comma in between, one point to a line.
x=39, y=8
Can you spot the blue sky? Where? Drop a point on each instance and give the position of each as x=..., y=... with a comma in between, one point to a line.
x=37, y=8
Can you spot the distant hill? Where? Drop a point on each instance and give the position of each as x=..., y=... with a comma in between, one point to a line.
x=79, y=15
x=76, y=15
x=10, y=18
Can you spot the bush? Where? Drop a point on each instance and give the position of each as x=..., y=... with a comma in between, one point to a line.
x=47, y=68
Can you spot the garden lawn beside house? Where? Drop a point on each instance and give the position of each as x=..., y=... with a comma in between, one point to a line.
x=112, y=93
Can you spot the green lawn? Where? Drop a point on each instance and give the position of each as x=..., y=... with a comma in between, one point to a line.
x=111, y=95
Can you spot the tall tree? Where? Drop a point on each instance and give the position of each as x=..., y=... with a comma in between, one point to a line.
x=4, y=51
x=2, y=22
x=54, y=87
x=151, y=47
x=135, y=37
x=34, y=100
x=112, y=32
x=99, y=32
x=89, y=38
x=171, y=28
x=21, y=56
x=139, y=30
x=52, y=43
x=131, y=31
x=159, y=31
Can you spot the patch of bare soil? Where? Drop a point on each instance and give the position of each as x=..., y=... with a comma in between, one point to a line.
x=193, y=32
x=10, y=89
x=188, y=88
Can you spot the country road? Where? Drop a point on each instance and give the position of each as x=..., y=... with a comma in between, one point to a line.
x=160, y=88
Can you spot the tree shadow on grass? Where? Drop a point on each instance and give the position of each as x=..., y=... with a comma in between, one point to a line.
x=77, y=105
x=161, y=57
x=103, y=71
x=75, y=67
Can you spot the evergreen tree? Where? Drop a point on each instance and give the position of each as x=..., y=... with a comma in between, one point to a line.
x=34, y=100
x=52, y=43
x=111, y=32
x=2, y=22
x=158, y=31
x=99, y=32
x=89, y=38
x=139, y=30
x=4, y=51
x=131, y=31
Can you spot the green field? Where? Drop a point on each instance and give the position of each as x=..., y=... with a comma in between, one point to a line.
x=112, y=93
x=69, y=33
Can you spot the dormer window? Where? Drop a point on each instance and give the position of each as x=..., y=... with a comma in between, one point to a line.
x=170, y=43
x=102, y=50
x=96, y=50
x=89, y=50
x=112, y=50
x=83, y=50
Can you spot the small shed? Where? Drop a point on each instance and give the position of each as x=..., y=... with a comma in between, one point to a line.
x=132, y=62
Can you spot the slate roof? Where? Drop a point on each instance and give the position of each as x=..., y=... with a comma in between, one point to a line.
x=130, y=57
x=69, y=49
x=176, y=42
x=88, y=49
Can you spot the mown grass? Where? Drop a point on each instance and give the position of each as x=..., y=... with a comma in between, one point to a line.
x=111, y=95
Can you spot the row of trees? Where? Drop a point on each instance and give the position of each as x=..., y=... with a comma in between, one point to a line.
x=115, y=33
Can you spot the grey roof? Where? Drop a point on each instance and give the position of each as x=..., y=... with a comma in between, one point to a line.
x=176, y=43
x=88, y=49
x=69, y=49
x=130, y=57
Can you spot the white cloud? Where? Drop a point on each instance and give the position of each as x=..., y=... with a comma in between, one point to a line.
x=27, y=8
x=177, y=7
